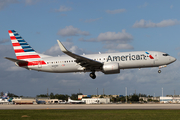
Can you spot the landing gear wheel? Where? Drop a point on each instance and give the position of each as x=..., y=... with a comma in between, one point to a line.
x=159, y=71
x=92, y=75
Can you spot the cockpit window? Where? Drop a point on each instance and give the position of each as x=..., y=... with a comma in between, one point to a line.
x=165, y=54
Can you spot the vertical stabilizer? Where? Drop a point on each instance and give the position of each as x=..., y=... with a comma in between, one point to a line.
x=24, y=51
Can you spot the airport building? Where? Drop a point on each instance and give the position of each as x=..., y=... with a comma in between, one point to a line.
x=30, y=100
x=24, y=100
x=150, y=98
x=96, y=100
x=98, y=96
x=169, y=99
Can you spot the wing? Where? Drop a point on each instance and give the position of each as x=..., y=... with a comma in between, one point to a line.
x=81, y=60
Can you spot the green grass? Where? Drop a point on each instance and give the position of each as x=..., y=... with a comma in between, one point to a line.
x=90, y=114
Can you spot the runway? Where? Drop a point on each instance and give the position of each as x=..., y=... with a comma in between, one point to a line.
x=94, y=106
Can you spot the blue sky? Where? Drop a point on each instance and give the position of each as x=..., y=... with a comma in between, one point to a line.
x=91, y=27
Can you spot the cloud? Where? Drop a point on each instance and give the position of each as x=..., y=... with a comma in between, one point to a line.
x=148, y=24
x=92, y=20
x=63, y=9
x=113, y=36
x=71, y=31
x=113, y=40
x=115, y=11
x=122, y=37
x=150, y=75
x=5, y=3
x=55, y=50
x=171, y=6
x=4, y=41
x=144, y=5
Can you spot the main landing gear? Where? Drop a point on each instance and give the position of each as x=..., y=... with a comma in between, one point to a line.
x=92, y=75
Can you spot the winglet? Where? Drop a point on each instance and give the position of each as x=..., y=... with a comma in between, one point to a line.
x=63, y=49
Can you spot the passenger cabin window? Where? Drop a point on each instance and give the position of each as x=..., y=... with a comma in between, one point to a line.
x=165, y=54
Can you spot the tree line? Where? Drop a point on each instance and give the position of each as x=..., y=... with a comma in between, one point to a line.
x=60, y=96
x=132, y=98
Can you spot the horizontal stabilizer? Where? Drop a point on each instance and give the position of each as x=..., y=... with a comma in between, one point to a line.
x=15, y=60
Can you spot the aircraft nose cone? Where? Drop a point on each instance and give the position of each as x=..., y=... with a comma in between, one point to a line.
x=173, y=59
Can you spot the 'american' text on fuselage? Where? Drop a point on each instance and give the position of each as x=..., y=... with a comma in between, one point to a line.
x=127, y=57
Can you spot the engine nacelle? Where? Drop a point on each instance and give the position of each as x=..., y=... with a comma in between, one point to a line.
x=111, y=68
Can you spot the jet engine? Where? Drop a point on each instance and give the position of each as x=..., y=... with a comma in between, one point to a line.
x=111, y=68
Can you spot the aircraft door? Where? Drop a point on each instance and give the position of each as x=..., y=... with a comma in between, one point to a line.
x=155, y=58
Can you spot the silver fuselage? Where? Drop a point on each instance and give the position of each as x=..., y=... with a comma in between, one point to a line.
x=126, y=60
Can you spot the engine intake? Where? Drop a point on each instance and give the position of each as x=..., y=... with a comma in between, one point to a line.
x=111, y=68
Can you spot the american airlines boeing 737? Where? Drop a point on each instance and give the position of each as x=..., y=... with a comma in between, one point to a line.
x=108, y=63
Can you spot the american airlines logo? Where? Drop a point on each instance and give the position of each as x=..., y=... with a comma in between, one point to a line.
x=129, y=57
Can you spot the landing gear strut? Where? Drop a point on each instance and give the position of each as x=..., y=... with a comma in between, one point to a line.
x=92, y=75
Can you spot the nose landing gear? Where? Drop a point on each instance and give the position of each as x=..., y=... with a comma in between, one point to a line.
x=92, y=75
x=159, y=71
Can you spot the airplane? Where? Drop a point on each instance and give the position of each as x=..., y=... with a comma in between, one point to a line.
x=5, y=96
x=62, y=102
x=40, y=102
x=75, y=101
x=5, y=99
x=108, y=63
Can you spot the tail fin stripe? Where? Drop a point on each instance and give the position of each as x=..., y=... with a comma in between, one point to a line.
x=26, y=53
x=24, y=43
x=14, y=41
x=28, y=56
x=25, y=46
x=16, y=44
x=18, y=50
x=21, y=41
x=15, y=34
x=13, y=37
x=29, y=50
x=17, y=47
x=10, y=31
x=13, y=31
x=18, y=37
